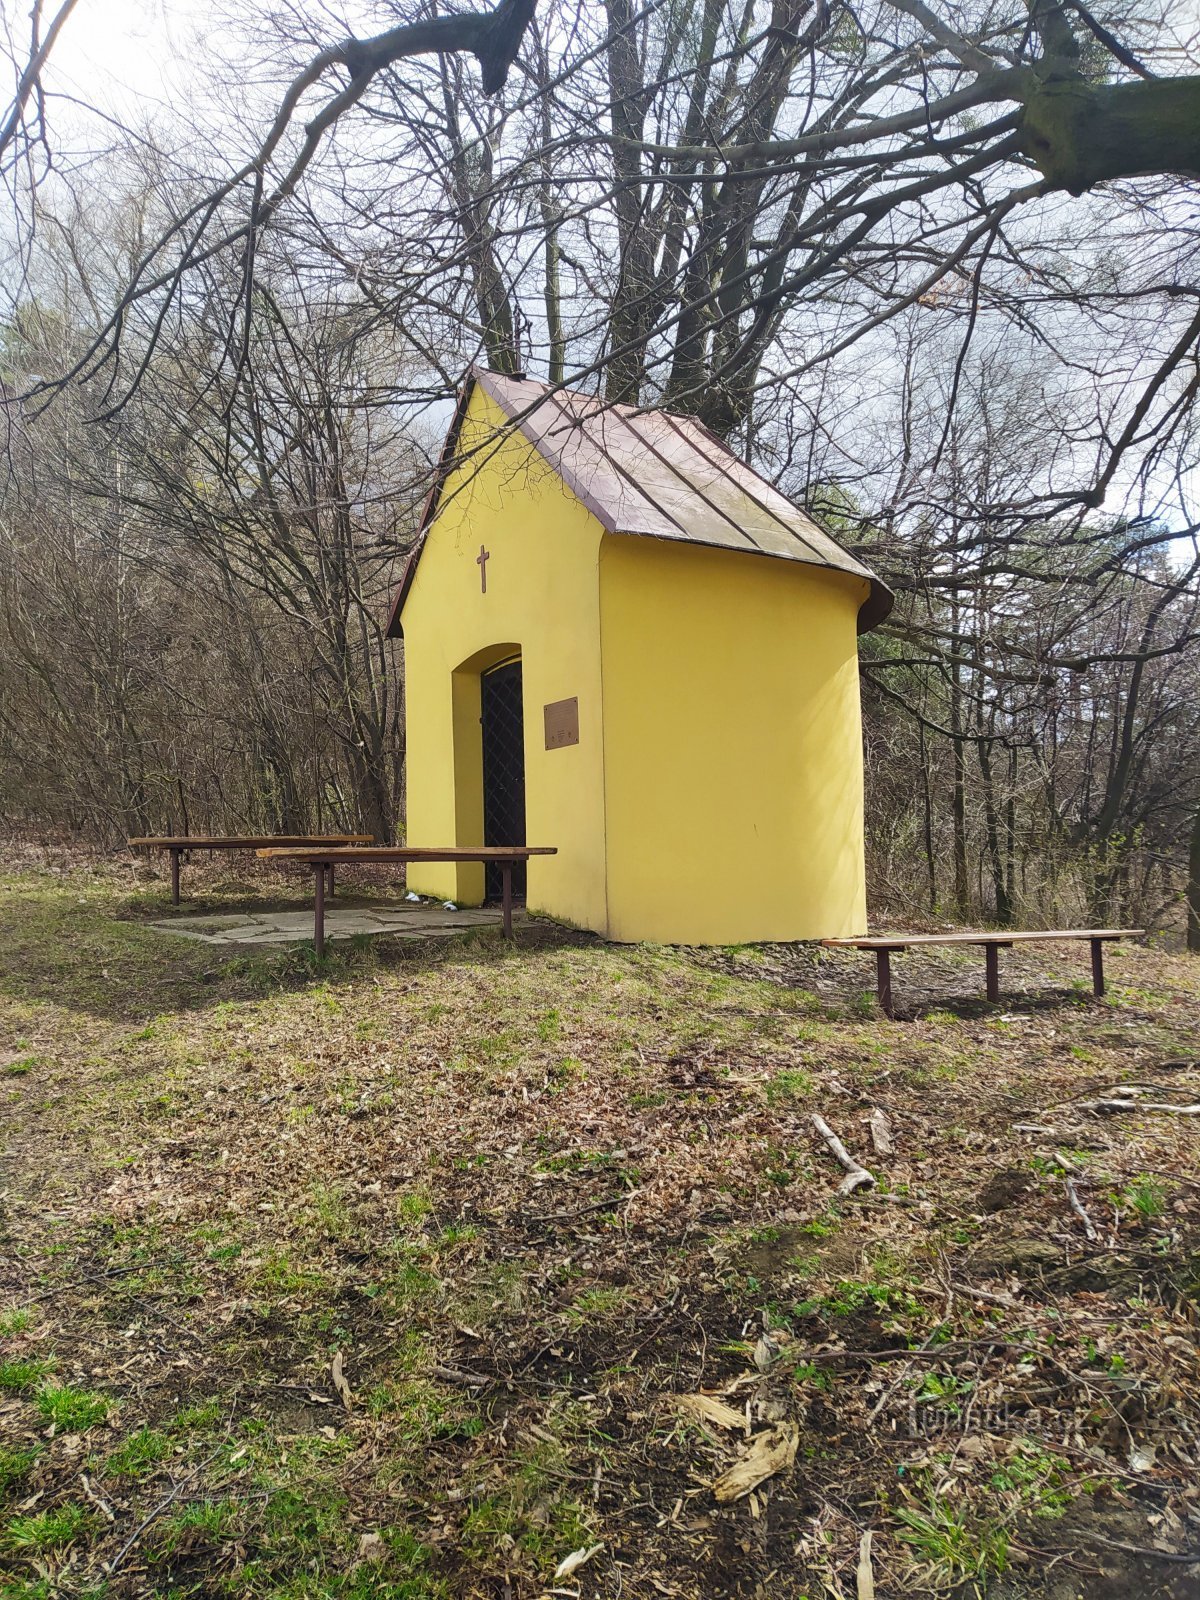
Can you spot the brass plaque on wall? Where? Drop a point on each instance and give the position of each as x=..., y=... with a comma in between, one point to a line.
x=562, y=723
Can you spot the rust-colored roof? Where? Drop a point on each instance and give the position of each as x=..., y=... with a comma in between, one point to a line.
x=654, y=474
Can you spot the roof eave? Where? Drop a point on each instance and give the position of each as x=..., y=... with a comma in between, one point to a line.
x=876, y=606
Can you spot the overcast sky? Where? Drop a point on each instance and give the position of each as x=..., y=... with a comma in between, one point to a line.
x=121, y=53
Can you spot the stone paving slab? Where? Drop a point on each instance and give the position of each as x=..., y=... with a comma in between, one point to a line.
x=341, y=922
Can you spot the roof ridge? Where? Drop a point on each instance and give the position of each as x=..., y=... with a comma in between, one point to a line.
x=722, y=503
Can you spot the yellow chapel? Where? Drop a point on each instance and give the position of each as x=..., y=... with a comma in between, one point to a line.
x=622, y=641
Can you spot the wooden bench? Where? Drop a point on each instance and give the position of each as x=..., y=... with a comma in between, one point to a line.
x=884, y=944
x=506, y=857
x=179, y=843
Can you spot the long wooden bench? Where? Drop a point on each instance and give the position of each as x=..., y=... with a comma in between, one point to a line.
x=886, y=944
x=180, y=843
x=506, y=857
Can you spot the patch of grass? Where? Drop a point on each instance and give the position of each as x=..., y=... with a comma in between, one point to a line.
x=21, y=1067
x=956, y=1546
x=48, y=1530
x=1145, y=1197
x=792, y=1084
x=413, y=1208
x=71, y=1410
x=278, y=1273
x=647, y=1099
x=849, y=1296
x=419, y=1412
x=200, y=1418
x=16, y=1465
x=1037, y=1478
x=13, y=1322
x=23, y=1373
x=821, y=1227
x=205, y=1522
x=138, y=1455
x=595, y=1304
x=330, y=1210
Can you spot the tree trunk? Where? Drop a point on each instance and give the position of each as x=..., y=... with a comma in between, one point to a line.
x=991, y=819
x=1193, y=891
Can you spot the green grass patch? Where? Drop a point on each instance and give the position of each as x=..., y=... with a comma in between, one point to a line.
x=16, y=1465
x=48, y=1530
x=139, y=1455
x=23, y=1373
x=71, y=1410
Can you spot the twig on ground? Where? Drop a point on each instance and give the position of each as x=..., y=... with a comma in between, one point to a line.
x=164, y=1504
x=1077, y=1206
x=1189, y=1558
x=609, y=1201
x=457, y=1375
x=857, y=1175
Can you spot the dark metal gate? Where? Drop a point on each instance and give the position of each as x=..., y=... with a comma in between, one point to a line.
x=501, y=716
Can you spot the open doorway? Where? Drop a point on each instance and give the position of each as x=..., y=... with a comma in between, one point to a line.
x=501, y=716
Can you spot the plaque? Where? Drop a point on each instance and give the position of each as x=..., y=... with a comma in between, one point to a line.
x=562, y=723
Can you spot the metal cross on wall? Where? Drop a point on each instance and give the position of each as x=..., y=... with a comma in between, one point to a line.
x=481, y=561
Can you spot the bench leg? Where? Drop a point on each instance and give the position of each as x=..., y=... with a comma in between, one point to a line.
x=319, y=910
x=1098, y=968
x=506, y=876
x=883, y=981
x=991, y=959
x=174, y=877
x=332, y=889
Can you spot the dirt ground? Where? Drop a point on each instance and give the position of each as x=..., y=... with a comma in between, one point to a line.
x=439, y=1270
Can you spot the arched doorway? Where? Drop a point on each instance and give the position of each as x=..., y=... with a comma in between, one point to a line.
x=502, y=726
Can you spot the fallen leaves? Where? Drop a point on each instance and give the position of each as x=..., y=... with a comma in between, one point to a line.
x=575, y=1560
x=771, y=1451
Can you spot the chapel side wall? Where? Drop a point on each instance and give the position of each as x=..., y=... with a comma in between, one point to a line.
x=542, y=597
x=733, y=746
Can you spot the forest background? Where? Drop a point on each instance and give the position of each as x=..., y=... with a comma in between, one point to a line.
x=930, y=268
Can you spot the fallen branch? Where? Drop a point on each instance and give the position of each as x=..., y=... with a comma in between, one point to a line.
x=1189, y=1558
x=1077, y=1206
x=1111, y=1107
x=472, y=1380
x=857, y=1176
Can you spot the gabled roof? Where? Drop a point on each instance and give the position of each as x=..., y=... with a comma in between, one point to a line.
x=653, y=474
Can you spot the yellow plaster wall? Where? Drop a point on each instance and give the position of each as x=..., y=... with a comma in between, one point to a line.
x=543, y=600
x=733, y=746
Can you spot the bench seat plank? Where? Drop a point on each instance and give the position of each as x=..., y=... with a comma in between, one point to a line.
x=405, y=852
x=247, y=841
x=901, y=941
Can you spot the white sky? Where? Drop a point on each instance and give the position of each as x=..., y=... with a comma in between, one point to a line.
x=119, y=54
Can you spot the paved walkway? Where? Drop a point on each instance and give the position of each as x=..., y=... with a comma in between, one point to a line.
x=341, y=922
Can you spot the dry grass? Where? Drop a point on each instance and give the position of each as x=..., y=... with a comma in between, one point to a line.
x=529, y=1197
